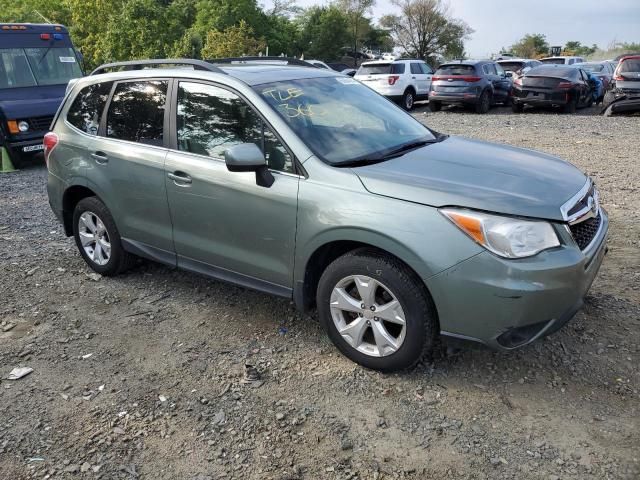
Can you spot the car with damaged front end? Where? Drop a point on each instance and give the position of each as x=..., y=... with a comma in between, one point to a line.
x=306, y=184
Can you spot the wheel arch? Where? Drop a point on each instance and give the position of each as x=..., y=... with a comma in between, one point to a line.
x=72, y=195
x=310, y=268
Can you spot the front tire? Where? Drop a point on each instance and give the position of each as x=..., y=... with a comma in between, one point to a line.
x=376, y=311
x=517, y=107
x=97, y=238
x=435, y=106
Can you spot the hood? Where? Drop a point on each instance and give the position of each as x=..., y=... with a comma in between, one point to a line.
x=31, y=102
x=479, y=175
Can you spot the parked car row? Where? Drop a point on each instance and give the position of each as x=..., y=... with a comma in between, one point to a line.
x=568, y=83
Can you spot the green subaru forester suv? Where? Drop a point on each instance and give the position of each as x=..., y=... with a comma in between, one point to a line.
x=306, y=184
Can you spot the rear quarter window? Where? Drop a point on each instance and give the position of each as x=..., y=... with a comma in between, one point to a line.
x=86, y=110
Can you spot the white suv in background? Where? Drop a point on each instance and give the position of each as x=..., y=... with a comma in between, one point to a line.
x=403, y=81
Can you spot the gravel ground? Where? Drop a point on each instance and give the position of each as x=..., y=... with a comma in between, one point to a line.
x=162, y=374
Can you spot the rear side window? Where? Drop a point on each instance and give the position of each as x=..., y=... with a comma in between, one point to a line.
x=86, y=110
x=397, y=68
x=456, y=70
x=136, y=112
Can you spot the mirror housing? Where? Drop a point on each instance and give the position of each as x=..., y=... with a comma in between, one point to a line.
x=247, y=157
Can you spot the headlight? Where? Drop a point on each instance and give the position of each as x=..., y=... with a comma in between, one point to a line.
x=23, y=126
x=505, y=236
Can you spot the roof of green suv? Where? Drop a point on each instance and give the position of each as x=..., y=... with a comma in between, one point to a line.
x=251, y=74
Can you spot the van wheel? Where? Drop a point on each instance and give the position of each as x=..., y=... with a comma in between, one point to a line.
x=376, y=311
x=408, y=99
x=435, y=106
x=98, y=239
x=484, y=102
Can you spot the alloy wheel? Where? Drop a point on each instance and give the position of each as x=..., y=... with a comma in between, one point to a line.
x=368, y=315
x=94, y=238
x=408, y=101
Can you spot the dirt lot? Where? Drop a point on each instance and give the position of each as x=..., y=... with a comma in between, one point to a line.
x=144, y=375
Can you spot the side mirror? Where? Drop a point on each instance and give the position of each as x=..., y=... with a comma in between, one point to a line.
x=508, y=74
x=247, y=157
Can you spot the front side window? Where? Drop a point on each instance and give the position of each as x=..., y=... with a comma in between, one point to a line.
x=86, y=110
x=212, y=119
x=415, y=68
x=136, y=112
x=498, y=69
x=341, y=120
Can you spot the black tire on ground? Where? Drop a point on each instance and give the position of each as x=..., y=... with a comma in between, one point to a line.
x=571, y=106
x=435, y=106
x=517, y=107
x=484, y=102
x=408, y=99
x=406, y=286
x=507, y=101
x=119, y=260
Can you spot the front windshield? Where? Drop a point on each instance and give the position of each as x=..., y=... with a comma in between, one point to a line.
x=30, y=67
x=341, y=120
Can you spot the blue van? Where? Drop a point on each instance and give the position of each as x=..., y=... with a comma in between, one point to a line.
x=36, y=63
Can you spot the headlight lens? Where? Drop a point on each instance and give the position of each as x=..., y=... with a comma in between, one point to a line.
x=23, y=126
x=505, y=236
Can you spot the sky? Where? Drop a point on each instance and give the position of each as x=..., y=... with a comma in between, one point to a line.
x=500, y=23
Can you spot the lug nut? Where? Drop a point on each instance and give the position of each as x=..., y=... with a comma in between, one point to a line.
x=373, y=308
x=363, y=306
x=376, y=319
x=359, y=314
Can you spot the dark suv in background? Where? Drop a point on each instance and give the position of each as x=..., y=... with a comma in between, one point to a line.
x=480, y=84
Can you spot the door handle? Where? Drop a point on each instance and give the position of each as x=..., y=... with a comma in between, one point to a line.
x=180, y=178
x=413, y=78
x=100, y=157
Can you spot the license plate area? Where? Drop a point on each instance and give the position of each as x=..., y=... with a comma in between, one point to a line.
x=33, y=148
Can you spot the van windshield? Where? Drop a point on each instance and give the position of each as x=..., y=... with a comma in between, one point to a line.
x=342, y=121
x=31, y=67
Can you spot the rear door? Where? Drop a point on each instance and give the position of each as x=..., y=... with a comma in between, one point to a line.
x=224, y=224
x=126, y=163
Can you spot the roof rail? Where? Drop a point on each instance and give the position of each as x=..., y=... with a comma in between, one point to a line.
x=140, y=64
x=265, y=59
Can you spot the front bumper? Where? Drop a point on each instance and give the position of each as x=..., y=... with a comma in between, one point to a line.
x=623, y=104
x=26, y=143
x=507, y=304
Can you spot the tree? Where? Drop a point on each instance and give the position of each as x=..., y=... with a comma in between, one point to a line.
x=531, y=46
x=355, y=11
x=323, y=31
x=425, y=29
x=234, y=41
x=576, y=48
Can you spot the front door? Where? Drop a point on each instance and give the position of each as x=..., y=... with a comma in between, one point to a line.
x=224, y=224
x=419, y=79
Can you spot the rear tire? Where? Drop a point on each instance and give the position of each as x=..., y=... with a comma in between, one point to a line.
x=484, y=102
x=98, y=239
x=366, y=277
x=435, y=106
x=517, y=107
x=408, y=99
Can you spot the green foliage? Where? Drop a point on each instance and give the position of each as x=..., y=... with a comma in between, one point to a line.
x=531, y=46
x=576, y=48
x=324, y=30
x=233, y=41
